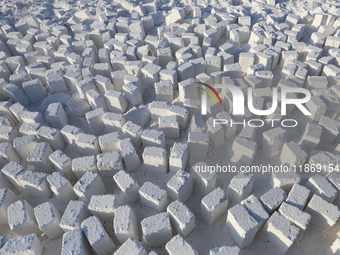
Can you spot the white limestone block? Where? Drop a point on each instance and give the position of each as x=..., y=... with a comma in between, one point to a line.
x=241, y=225
x=131, y=246
x=255, y=208
x=75, y=213
x=61, y=187
x=103, y=206
x=320, y=186
x=29, y=244
x=240, y=187
x=48, y=218
x=7, y=197
x=87, y=144
x=155, y=159
x=88, y=185
x=156, y=229
x=35, y=184
x=74, y=242
x=129, y=155
x=272, y=199
x=125, y=224
x=177, y=245
x=214, y=205
x=127, y=184
x=153, y=196
x=21, y=218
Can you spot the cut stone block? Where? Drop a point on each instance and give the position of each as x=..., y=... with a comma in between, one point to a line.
x=35, y=184
x=70, y=134
x=320, y=186
x=115, y=101
x=244, y=150
x=156, y=229
x=134, y=132
x=214, y=205
x=13, y=171
x=129, y=155
x=203, y=179
x=198, y=144
x=311, y=136
x=88, y=185
x=103, y=206
x=21, y=218
x=273, y=141
x=52, y=136
x=180, y=186
x=226, y=250
x=109, y=163
x=7, y=197
x=61, y=187
x=181, y=217
x=97, y=236
x=28, y=244
x=170, y=126
x=292, y=154
x=255, y=208
x=83, y=164
x=241, y=225
x=62, y=163
x=39, y=157
x=125, y=224
x=8, y=153
x=95, y=120
x=75, y=213
x=298, y=196
x=113, y=122
x=280, y=232
x=240, y=187
x=295, y=215
x=127, y=184
x=153, y=196
x=34, y=90
x=153, y=137
x=272, y=199
x=88, y=144
x=48, y=218
x=131, y=246
x=74, y=242
x=177, y=245
x=155, y=159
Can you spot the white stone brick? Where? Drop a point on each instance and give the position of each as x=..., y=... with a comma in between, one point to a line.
x=214, y=205
x=134, y=132
x=324, y=214
x=128, y=185
x=75, y=213
x=21, y=218
x=226, y=250
x=178, y=156
x=153, y=196
x=109, y=142
x=198, y=144
x=311, y=136
x=52, y=136
x=7, y=197
x=292, y=154
x=241, y=225
x=61, y=187
x=29, y=244
x=103, y=206
x=204, y=180
x=70, y=134
x=48, y=218
x=109, y=163
x=129, y=155
x=272, y=199
x=240, y=187
x=280, y=232
x=125, y=224
x=177, y=245
x=244, y=150
x=298, y=196
x=74, y=241
x=295, y=215
x=156, y=229
x=255, y=208
x=13, y=172
x=87, y=144
x=115, y=101
x=97, y=236
x=88, y=185
x=320, y=186
x=273, y=141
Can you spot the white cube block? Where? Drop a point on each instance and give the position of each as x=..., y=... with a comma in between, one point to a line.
x=7, y=198
x=241, y=225
x=34, y=90
x=311, y=136
x=131, y=246
x=125, y=224
x=177, y=245
x=96, y=100
x=88, y=185
x=134, y=132
x=61, y=187
x=320, y=186
x=127, y=184
x=204, y=180
x=295, y=215
x=164, y=91
x=70, y=134
x=153, y=137
x=74, y=241
x=113, y=122
x=48, y=218
x=35, y=184
x=292, y=154
x=62, y=163
x=13, y=172
x=95, y=120
x=226, y=250
x=21, y=218
x=156, y=229
x=83, y=164
x=240, y=187
x=255, y=208
x=75, y=213
x=24, y=145
x=153, y=196
x=155, y=159
x=280, y=232
x=115, y=101
x=109, y=163
x=214, y=205
x=180, y=186
x=103, y=206
x=88, y=144
x=181, y=217
x=52, y=136
x=29, y=244
x=129, y=155
x=97, y=236
x=272, y=199
x=39, y=157
x=9, y=153
x=198, y=144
